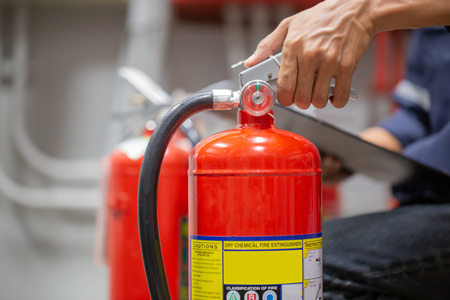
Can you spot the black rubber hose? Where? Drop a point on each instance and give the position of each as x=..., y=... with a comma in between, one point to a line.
x=148, y=190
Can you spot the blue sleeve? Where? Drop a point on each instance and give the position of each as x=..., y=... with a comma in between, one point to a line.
x=411, y=122
x=433, y=151
x=422, y=123
x=408, y=124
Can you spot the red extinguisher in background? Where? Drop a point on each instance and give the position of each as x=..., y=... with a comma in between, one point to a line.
x=254, y=201
x=126, y=272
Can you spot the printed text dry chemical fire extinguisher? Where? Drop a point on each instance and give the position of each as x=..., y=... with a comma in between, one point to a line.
x=254, y=201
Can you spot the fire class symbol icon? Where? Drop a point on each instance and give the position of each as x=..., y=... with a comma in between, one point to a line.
x=233, y=295
x=251, y=295
x=270, y=295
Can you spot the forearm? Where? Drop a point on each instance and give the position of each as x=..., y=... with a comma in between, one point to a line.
x=328, y=41
x=399, y=14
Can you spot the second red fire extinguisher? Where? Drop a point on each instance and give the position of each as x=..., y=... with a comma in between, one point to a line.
x=126, y=272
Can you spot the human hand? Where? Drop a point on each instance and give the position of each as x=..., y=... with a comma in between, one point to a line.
x=324, y=42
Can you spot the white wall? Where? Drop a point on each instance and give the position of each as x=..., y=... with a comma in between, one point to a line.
x=70, y=61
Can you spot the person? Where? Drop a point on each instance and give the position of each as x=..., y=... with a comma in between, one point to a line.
x=403, y=253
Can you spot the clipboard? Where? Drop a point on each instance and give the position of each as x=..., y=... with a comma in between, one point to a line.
x=356, y=154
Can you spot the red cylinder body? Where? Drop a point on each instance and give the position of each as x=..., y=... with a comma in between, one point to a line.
x=255, y=198
x=127, y=275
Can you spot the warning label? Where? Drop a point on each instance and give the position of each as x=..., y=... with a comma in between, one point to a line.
x=206, y=270
x=254, y=268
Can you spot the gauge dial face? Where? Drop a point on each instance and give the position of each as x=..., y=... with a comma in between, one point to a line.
x=257, y=98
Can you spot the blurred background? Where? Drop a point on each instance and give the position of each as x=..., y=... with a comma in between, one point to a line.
x=66, y=101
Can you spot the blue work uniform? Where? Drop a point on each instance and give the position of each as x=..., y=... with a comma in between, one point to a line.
x=404, y=253
x=422, y=122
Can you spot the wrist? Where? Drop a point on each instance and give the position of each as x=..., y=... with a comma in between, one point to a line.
x=391, y=15
x=363, y=12
x=368, y=16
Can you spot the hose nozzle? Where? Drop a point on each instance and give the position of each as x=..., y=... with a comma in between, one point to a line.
x=225, y=99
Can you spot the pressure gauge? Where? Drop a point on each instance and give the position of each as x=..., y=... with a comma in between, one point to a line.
x=257, y=98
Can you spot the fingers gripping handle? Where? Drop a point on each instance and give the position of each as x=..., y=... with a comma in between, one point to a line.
x=353, y=93
x=268, y=71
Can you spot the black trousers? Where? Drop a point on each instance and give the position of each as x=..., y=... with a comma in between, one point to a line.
x=400, y=254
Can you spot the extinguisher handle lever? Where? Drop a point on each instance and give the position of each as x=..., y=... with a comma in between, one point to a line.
x=268, y=71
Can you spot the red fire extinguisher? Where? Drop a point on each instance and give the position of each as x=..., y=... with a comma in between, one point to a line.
x=254, y=201
x=255, y=214
x=126, y=272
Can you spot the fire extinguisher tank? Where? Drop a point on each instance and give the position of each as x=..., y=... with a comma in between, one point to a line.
x=255, y=214
x=255, y=180
x=127, y=277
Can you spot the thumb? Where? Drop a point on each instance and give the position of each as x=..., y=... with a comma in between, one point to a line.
x=269, y=45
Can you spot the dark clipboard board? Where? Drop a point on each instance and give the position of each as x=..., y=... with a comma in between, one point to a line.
x=356, y=154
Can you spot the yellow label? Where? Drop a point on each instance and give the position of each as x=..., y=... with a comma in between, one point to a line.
x=206, y=270
x=275, y=267
x=262, y=267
